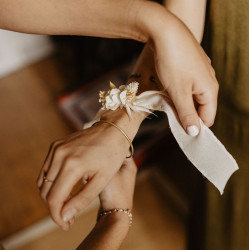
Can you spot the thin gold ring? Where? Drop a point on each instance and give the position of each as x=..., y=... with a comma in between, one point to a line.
x=45, y=178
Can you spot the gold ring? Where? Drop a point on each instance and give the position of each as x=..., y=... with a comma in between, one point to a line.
x=45, y=178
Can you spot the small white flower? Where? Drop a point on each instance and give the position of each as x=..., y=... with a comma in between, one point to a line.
x=132, y=87
x=119, y=97
x=113, y=99
x=123, y=97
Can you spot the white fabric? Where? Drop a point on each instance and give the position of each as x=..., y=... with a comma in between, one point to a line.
x=205, y=151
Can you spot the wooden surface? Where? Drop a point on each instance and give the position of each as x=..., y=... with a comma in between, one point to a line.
x=29, y=122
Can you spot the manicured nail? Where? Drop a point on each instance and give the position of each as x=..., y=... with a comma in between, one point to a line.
x=193, y=130
x=69, y=214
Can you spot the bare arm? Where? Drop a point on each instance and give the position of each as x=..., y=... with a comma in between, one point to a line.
x=110, y=231
x=102, y=18
x=191, y=12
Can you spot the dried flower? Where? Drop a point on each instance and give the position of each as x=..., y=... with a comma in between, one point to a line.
x=119, y=97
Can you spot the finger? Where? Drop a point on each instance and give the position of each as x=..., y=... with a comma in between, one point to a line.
x=61, y=189
x=54, y=169
x=44, y=167
x=83, y=198
x=47, y=163
x=207, y=110
x=184, y=104
x=51, y=152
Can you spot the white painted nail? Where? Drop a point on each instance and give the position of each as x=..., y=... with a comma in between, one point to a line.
x=193, y=130
x=69, y=214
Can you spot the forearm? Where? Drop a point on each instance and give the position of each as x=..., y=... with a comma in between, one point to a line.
x=191, y=12
x=101, y=18
x=108, y=233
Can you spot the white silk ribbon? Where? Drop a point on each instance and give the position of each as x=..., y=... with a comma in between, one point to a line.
x=205, y=151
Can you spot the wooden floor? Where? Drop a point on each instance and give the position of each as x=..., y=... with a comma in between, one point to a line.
x=29, y=122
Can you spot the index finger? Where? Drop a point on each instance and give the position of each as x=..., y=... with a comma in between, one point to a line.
x=60, y=191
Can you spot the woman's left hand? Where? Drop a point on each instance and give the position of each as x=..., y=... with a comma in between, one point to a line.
x=94, y=154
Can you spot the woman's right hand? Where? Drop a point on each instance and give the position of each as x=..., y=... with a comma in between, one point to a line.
x=119, y=191
x=183, y=68
x=112, y=228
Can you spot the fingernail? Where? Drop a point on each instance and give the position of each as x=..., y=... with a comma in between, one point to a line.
x=193, y=130
x=69, y=214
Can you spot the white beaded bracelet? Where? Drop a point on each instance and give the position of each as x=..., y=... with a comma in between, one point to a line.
x=126, y=211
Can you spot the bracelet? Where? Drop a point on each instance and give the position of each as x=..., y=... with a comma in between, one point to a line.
x=131, y=148
x=126, y=211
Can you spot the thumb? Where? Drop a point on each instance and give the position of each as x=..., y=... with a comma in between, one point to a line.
x=184, y=104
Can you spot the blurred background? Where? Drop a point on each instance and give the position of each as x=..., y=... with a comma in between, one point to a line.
x=49, y=88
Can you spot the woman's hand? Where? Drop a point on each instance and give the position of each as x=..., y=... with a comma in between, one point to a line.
x=183, y=68
x=119, y=191
x=94, y=154
x=112, y=228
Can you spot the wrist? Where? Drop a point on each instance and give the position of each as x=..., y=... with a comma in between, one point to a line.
x=120, y=219
x=159, y=19
x=121, y=119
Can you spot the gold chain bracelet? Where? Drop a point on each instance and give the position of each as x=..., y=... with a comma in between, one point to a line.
x=126, y=211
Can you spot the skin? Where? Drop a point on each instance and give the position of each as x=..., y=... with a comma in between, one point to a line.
x=182, y=66
x=111, y=229
x=94, y=154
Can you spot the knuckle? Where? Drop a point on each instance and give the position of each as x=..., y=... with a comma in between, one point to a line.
x=60, y=151
x=216, y=86
x=212, y=91
x=72, y=164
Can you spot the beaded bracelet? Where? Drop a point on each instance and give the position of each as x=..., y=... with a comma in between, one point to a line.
x=126, y=211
